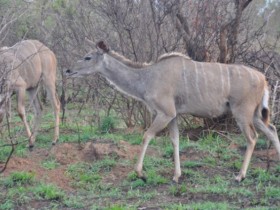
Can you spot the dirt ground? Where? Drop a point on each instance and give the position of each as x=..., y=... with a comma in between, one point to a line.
x=69, y=153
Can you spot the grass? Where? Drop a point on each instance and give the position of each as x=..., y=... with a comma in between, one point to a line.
x=50, y=163
x=83, y=176
x=202, y=205
x=208, y=168
x=19, y=178
x=49, y=192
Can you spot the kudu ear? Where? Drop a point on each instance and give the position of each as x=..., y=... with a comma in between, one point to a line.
x=102, y=46
x=89, y=42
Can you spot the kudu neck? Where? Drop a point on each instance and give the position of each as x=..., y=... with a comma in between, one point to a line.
x=127, y=79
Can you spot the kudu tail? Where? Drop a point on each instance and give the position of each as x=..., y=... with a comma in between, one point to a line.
x=265, y=108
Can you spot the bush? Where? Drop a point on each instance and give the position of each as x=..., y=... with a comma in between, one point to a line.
x=107, y=124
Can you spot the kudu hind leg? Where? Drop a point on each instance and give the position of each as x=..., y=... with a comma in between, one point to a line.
x=250, y=134
x=22, y=114
x=174, y=136
x=270, y=132
x=160, y=122
x=50, y=86
x=34, y=100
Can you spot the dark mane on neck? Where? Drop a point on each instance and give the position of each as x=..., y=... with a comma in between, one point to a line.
x=172, y=54
x=126, y=61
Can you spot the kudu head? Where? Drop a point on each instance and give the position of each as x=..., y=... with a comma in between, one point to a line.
x=91, y=63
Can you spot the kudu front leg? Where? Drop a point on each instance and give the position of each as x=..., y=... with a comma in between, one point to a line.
x=160, y=122
x=174, y=136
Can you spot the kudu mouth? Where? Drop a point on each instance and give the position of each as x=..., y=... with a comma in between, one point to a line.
x=69, y=73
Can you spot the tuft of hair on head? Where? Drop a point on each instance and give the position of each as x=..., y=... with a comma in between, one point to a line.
x=103, y=46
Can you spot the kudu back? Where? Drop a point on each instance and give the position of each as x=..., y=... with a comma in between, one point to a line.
x=24, y=66
x=176, y=84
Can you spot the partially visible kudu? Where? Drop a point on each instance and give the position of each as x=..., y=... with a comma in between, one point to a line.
x=23, y=66
x=176, y=84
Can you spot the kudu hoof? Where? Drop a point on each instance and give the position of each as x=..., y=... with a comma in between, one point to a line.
x=54, y=142
x=30, y=147
x=175, y=181
x=239, y=178
x=144, y=178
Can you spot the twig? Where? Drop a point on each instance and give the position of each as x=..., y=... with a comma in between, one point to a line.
x=10, y=155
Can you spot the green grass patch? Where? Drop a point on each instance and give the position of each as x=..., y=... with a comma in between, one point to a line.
x=4, y=153
x=7, y=205
x=134, y=139
x=107, y=124
x=74, y=202
x=83, y=175
x=261, y=175
x=168, y=151
x=49, y=192
x=19, y=178
x=177, y=190
x=50, y=163
x=261, y=143
x=200, y=205
x=272, y=192
x=153, y=178
x=104, y=165
x=157, y=163
x=191, y=164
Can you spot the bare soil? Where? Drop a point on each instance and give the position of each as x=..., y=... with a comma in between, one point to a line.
x=69, y=153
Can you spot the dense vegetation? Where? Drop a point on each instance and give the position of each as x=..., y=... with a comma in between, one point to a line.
x=242, y=31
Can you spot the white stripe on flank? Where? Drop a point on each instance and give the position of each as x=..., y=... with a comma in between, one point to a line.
x=204, y=76
x=185, y=77
x=253, y=73
x=228, y=77
x=196, y=81
x=250, y=72
x=238, y=70
x=265, y=98
x=205, y=79
x=222, y=77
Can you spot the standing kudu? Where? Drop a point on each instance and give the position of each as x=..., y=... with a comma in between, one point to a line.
x=176, y=84
x=24, y=66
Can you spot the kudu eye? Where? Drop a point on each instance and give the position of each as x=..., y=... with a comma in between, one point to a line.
x=87, y=58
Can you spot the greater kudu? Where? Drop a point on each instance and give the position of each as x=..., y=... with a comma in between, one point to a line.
x=24, y=66
x=176, y=84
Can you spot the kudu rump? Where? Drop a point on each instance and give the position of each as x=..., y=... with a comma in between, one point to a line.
x=176, y=84
x=23, y=66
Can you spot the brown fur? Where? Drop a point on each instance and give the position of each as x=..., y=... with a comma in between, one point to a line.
x=176, y=85
x=27, y=64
